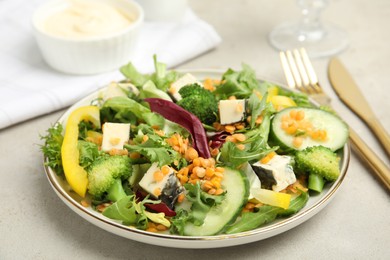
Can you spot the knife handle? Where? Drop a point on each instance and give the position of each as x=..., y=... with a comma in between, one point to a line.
x=378, y=167
x=381, y=134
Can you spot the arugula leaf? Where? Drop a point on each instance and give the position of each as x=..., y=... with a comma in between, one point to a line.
x=256, y=107
x=252, y=220
x=256, y=146
x=301, y=99
x=266, y=214
x=52, y=148
x=296, y=204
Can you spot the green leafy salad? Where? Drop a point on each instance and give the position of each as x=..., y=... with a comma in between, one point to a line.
x=168, y=152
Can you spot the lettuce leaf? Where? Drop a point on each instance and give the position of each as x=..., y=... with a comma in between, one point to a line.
x=130, y=212
x=52, y=148
x=240, y=84
x=123, y=210
x=123, y=109
x=155, y=149
x=88, y=152
x=131, y=73
x=162, y=78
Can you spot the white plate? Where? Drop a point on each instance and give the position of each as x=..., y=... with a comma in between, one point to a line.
x=314, y=205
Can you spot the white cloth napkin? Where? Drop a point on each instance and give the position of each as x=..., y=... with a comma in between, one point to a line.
x=29, y=87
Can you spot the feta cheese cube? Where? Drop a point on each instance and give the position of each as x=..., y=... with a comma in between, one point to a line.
x=186, y=79
x=115, y=135
x=231, y=111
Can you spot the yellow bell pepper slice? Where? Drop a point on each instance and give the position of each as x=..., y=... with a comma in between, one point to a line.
x=279, y=102
x=272, y=91
x=75, y=175
x=272, y=198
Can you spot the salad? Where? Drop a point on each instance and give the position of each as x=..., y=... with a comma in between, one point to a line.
x=168, y=152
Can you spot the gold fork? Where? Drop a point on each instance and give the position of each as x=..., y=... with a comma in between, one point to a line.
x=300, y=75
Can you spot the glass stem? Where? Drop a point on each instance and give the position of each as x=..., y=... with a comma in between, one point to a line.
x=310, y=27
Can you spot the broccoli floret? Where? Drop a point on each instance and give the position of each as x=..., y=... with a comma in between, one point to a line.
x=200, y=102
x=318, y=160
x=105, y=175
x=116, y=191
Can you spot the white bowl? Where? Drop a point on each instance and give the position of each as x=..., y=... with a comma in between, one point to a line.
x=92, y=54
x=164, y=10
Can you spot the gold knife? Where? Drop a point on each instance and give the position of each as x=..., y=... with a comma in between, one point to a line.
x=349, y=93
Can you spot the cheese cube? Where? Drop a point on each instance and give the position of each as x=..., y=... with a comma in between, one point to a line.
x=186, y=79
x=282, y=172
x=231, y=111
x=115, y=135
x=115, y=89
x=254, y=181
x=162, y=185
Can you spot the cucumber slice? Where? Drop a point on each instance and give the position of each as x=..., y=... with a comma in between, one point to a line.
x=237, y=192
x=337, y=130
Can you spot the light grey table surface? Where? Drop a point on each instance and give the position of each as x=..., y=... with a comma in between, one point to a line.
x=36, y=224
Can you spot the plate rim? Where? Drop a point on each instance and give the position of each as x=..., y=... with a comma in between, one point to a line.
x=168, y=240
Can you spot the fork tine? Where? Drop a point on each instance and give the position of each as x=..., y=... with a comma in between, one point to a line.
x=301, y=68
x=310, y=71
x=287, y=70
x=294, y=69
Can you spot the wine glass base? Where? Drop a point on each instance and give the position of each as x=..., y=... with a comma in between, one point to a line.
x=327, y=42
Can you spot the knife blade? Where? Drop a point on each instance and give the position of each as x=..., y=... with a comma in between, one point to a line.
x=348, y=91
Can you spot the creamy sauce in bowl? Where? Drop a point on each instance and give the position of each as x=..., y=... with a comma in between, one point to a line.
x=85, y=19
